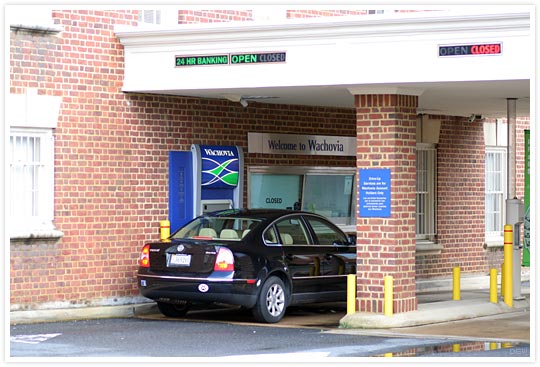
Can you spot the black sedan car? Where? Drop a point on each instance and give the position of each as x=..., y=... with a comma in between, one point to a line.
x=261, y=259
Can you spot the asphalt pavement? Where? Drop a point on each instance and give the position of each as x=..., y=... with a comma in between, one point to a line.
x=470, y=327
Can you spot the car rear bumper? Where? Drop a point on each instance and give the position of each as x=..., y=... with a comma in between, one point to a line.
x=171, y=289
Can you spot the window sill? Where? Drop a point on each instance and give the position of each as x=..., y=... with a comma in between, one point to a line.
x=493, y=243
x=36, y=236
x=424, y=248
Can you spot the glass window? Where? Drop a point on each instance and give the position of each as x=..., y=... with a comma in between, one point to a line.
x=425, y=191
x=223, y=228
x=292, y=231
x=326, y=235
x=31, y=161
x=275, y=191
x=327, y=191
x=328, y=195
x=270, y=236
x=495, y=190
x=159, y=16
x=150, y=16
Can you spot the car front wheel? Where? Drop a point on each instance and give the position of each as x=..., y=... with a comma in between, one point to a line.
x=272, y=301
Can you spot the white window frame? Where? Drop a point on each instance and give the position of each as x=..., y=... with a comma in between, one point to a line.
x=495, y=194
x=160, y=16
x=31, y=181
x=426, y=173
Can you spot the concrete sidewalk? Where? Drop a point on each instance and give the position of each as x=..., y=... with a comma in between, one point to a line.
x=435, y=304
x=477, y=305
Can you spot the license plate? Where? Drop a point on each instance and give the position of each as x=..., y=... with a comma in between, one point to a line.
x=180, y=259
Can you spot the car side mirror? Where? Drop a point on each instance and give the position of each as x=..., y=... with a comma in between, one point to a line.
x=352, y=239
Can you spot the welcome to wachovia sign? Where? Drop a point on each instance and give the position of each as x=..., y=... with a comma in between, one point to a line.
x=301, y=144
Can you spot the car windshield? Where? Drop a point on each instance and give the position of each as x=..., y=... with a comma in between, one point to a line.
x=217, y=228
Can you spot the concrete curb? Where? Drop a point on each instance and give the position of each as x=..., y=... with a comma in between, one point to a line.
x=81, y=313
x=431, y=313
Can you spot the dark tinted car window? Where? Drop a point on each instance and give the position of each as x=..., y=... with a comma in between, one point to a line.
x=217, y=228
x=270, y=237
x=326, y=235
x=292, y=231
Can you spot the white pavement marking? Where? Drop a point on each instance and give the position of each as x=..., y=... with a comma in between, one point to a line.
x=32, y=339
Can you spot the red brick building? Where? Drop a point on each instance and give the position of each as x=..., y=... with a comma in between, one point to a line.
x=108, y=143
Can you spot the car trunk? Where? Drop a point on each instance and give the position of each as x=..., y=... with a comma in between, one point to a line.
x=184, y=257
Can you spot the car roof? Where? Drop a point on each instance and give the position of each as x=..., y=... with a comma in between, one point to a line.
x=254, y=213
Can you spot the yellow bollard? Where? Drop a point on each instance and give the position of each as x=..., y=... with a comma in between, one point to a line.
x=493, y=286
x=351, y=294
x=508, y=248
x=456, y=289
x=164, y=230
x=388, y=295
x=502, y=279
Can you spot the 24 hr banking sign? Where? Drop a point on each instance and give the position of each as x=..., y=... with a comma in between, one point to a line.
x=375, y=193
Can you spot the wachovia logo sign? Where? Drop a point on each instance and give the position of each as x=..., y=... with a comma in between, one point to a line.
x=219, y=166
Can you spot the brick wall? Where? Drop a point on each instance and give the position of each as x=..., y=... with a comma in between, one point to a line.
x=292, y=14
x=213, y=16
x=386, y=138
x=460, y=200
x=111, y=157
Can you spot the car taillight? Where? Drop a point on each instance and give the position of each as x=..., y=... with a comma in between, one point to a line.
x=224, y=260
x=144, y=259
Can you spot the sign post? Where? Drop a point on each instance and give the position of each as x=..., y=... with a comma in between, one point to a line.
x=526, y=261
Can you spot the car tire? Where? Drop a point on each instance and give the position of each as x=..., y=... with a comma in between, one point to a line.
x=174, y=309
x=271, y=302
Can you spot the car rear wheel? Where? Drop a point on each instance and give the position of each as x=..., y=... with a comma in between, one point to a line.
x=272, y=301
x=174, y=309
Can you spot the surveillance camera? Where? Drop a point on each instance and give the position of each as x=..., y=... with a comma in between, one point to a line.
x=474, y=117
x=244, y=103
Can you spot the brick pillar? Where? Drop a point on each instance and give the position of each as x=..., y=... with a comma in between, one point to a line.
x=386, y=138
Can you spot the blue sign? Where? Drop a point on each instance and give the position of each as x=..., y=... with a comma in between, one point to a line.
x=375, y=193
x=219, y=166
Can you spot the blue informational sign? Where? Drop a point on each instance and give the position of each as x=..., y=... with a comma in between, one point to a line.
x=219, y=166
x=375, y=193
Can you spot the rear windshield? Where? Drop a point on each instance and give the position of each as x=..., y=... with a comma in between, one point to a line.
x=217, y=228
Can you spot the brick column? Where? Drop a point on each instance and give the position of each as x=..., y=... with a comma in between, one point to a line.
x=386, y=138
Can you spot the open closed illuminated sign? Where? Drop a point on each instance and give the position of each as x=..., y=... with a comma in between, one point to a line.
x=230, y=59
x=471, y=50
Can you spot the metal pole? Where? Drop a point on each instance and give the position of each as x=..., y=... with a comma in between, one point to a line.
x=493, y=286
x=512, y=202
x=511, y=154
x=164, y=230
x=456, y=289
x=388, y=295
x=508, y=248
x=351, y=294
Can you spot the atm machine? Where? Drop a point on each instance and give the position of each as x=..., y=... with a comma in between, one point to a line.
x=205, y=179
